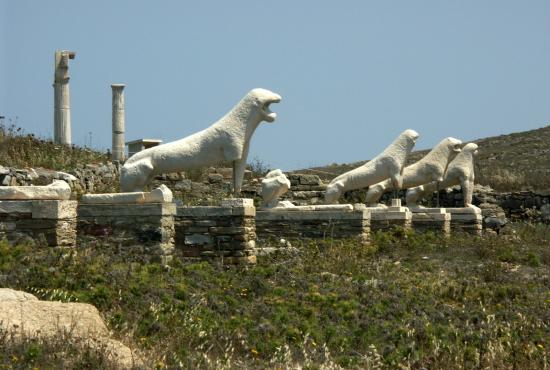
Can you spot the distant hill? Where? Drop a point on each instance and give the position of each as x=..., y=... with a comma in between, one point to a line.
x=513, y=162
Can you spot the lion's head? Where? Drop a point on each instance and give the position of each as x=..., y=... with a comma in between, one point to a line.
x=444, y=151
x=470, y=148
x=410, y=136
x=262, y=98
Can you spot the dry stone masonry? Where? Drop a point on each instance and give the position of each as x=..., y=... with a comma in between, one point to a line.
x=49, y=222
x=142, y=227
x=387, y=218
x=226, y=233
x=466, y=219
x=317, y=222
x=431, y=219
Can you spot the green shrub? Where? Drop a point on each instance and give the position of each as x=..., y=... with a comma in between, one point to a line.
x=408, y=300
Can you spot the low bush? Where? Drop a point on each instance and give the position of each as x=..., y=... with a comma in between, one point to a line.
x=405, y=301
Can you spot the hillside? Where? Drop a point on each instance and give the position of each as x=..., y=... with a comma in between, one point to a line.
x=21, y=150
x=512, y=162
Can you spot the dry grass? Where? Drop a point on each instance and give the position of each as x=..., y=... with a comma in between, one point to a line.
x=21, y=150
x=407, y=301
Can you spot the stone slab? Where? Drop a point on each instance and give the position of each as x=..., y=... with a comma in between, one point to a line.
x=430, y=217
x=263, y=215
x=121, y=210
x=391, y=215
x=436, y=222
x=466, y=217
x=463, y=210
x=15, y=206
x=237, y=202
x=54, y=209
x=58, y=190
x=428, y=210
x=316, y=208
x=196, y=212
x=40, y=209
x=159, y=195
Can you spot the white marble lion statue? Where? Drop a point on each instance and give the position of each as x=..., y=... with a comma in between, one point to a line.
x=459, y=172
x=226, y=140
x=387, y=165
x=428, y=169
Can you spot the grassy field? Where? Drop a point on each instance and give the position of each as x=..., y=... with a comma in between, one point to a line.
x=406, y=301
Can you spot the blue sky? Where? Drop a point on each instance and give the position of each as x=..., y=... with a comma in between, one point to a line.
x=353, y=74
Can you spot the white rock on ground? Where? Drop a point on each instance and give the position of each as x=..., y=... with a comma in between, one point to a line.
x=25, y=316
x=7, y=294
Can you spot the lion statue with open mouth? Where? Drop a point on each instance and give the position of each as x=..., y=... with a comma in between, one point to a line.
x=226, y=140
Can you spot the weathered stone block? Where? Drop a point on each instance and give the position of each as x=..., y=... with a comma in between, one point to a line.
x=54, y=209
x=237, y=202
x=436, y=222
x=313, y=224
x=223, y=231
x=198, y=239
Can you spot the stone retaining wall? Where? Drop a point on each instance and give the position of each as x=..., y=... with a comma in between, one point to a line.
x=226, y=233
x=141, y=229
x=49, y=222
x=295, y=224
x=385, y=221
x=435, y=222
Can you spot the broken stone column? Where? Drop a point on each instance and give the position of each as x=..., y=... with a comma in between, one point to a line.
x=118, y=122
x=62, y=104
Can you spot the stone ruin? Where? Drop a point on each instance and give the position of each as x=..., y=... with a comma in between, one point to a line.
x=152, y=225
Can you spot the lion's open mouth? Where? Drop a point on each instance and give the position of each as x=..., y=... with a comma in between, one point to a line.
x=270, y=116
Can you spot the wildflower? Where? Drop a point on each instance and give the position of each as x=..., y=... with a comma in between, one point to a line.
x=254, y=352
x=540, y=346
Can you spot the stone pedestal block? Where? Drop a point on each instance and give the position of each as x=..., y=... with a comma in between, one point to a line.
x=387, y=218
x=314, y=222
x=466, y=219
x=431, y=219
x=52, y=222
x=145, y=229
x=227, y=233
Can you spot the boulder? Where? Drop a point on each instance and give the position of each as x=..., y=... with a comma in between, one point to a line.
x=23, y=316
x=7, y=294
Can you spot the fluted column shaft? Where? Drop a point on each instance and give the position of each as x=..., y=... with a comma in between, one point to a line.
x=118, y=122
x=62, y=102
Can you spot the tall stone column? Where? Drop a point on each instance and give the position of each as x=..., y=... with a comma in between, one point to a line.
x=62, y=104
x=118, y=122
